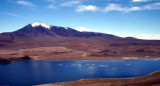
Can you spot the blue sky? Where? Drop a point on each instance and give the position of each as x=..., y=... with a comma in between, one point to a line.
x=137, y=18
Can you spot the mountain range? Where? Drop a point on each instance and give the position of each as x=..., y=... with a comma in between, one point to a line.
x=38, y=29
x=43, y=41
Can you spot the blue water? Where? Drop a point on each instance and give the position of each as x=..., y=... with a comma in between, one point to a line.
x=28, y=73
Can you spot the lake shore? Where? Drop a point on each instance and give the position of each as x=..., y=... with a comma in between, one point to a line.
x=67, y=53
x=101, y=58
x=152, y=79
x=10, y=60
x=25, y=58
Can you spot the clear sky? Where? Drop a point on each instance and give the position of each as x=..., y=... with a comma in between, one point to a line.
x=138, y=18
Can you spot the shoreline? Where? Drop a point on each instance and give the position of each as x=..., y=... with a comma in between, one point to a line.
x=108, y=80
x=11, y=60
x=96, y=60
x=151, y=79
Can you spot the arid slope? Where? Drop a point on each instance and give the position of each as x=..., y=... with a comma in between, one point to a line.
x=148, y=80
x=67, y=43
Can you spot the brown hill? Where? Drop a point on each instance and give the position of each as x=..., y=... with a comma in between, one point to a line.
x=152, y=79
x=44, y=41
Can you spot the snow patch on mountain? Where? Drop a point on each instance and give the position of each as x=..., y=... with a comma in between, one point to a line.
x=84, y=29
x=36, y=24
x=66, y=27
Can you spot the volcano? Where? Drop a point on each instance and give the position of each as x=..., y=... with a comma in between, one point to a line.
x=43, y=41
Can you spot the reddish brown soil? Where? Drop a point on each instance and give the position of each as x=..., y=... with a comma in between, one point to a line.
x=148, y=80
x=76, y=48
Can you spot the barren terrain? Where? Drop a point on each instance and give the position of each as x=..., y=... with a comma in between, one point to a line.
x=60, y=43
x=74, y=48
x=148, y=80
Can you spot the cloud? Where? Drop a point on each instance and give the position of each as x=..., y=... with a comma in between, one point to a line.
x=81, y=29
x=10, y=14
x=26, y=3
x=50, y=0
x=112, y=0
x=109, y=7
x=141, y=0
x=113, y=7
x=70, y=3
x=143, y=36
x=154, y=6
x=134, y=9
x=82, y=8
x=117, y=7
x=51, y=6
x=14, y=15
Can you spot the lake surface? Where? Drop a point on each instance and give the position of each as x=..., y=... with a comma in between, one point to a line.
x=28, y=73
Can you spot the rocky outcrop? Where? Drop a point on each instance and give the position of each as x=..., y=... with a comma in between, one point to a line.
x=9, y=60
x=5, y=61
x=25, y=58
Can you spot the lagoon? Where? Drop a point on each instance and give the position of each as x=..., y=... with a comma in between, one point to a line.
x=27, y=73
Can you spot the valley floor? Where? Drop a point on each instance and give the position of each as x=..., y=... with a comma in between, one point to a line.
x=79, y=48
x=64, y=53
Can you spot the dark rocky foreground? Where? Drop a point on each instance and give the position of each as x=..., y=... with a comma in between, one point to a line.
x=9, y=60
x=152, y=79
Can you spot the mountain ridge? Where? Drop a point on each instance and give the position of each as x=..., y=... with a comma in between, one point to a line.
x=38, y=28
x=61, y=43
x=30, y=30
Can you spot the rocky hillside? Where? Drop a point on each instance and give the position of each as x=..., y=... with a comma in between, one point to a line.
x=41, y=41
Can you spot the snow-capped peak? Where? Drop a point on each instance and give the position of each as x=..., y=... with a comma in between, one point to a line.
x=66, y=27
x=36, y=24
